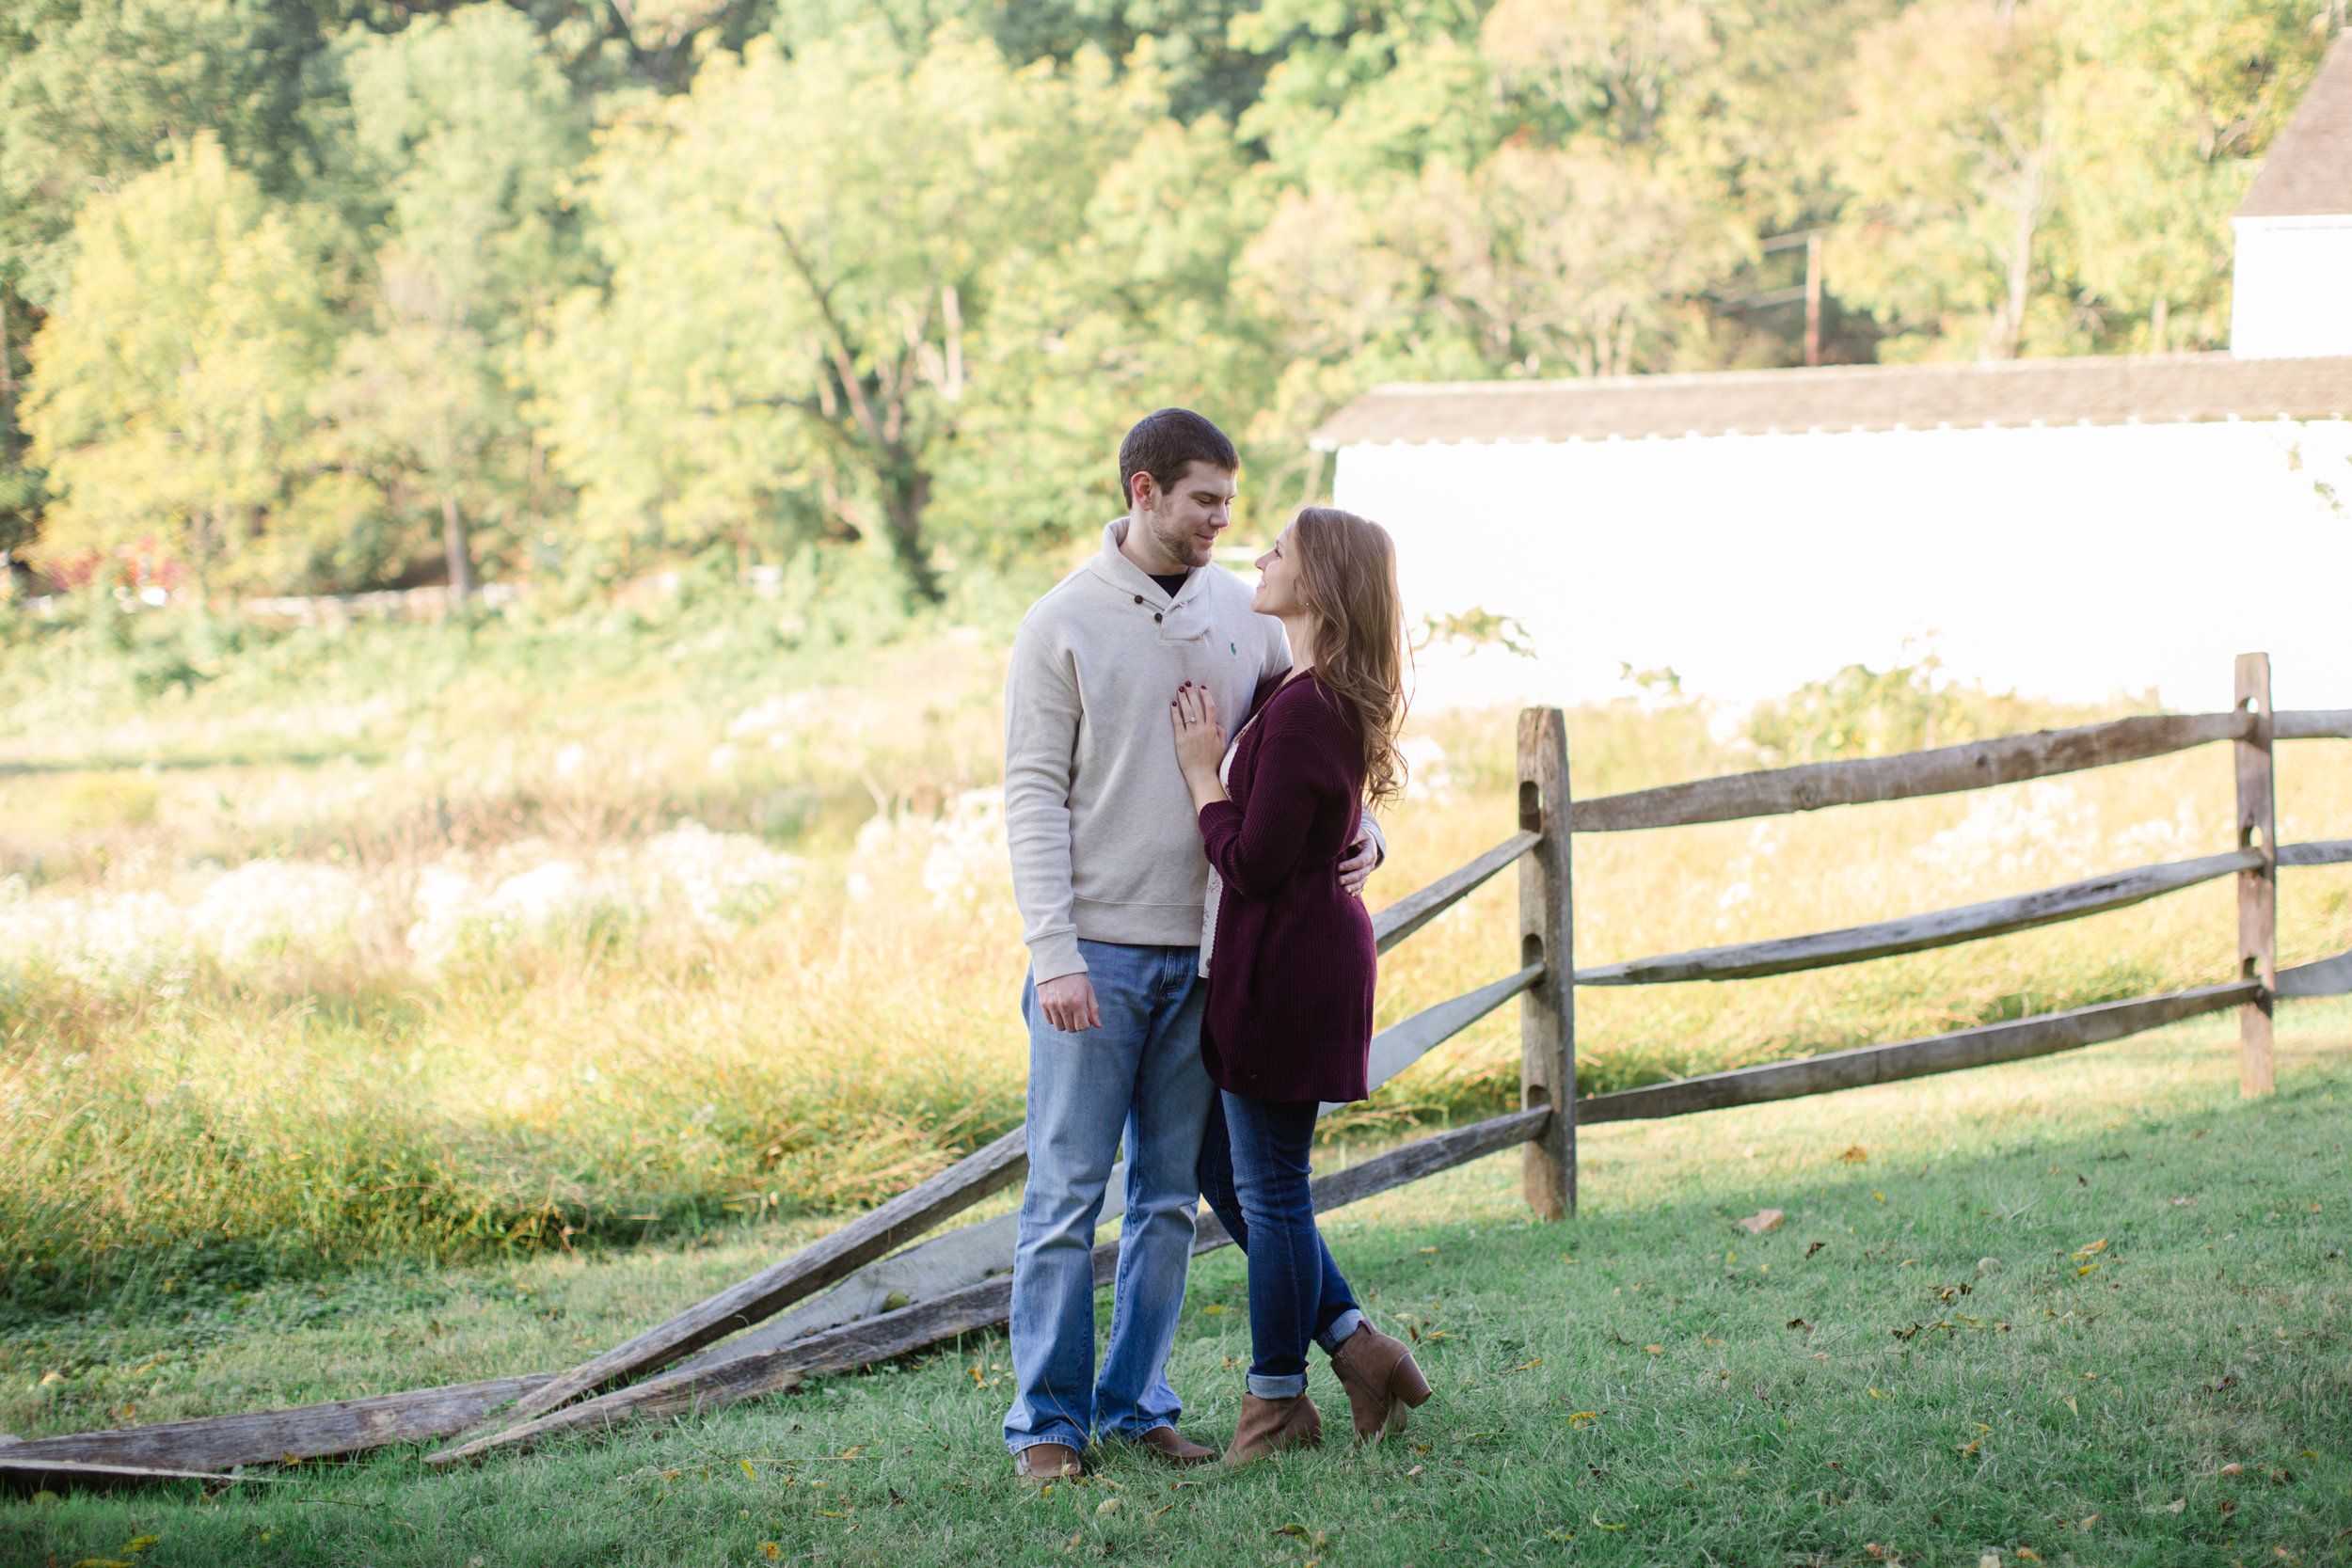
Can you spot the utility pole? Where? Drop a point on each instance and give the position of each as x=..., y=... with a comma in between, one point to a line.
x=1813, y=297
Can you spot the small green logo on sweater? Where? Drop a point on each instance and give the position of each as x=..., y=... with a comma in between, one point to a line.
x=1234, y=648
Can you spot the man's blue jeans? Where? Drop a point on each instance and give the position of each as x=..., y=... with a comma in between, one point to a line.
x=1254, y=1171
x=1139, y=1076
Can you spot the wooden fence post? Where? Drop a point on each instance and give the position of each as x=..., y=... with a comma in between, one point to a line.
x=1548, y=1008
x=2257, y=890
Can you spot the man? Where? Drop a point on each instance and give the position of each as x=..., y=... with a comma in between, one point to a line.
x=1109, y=874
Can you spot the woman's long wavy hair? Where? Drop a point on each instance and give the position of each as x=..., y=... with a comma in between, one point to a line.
x=1347, y=577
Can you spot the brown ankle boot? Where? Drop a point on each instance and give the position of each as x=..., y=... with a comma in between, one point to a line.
x=1270, y=1424
x=1381, y=1381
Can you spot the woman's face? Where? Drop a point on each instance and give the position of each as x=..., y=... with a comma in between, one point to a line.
x=1278, y=577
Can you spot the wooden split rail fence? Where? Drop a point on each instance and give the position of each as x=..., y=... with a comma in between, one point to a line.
x=863, y=1294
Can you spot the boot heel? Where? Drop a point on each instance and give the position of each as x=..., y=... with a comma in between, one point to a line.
x=1407, y=1384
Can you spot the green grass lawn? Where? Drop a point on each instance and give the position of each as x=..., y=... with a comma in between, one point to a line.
x=2089, y=1308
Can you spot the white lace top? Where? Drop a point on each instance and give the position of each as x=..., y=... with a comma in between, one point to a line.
x=1217, y=883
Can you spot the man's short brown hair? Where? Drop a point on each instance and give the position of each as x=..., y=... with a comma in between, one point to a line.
x=1165, y=443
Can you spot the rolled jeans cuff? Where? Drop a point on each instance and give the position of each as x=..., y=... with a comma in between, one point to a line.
x=1288, y=1387
x=1342, y=1329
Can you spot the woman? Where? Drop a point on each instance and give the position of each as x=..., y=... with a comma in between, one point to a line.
x=1289, y=958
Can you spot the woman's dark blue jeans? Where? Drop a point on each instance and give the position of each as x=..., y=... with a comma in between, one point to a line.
x=1254, y=1164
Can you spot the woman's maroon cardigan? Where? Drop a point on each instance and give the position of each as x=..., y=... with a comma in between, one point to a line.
x=1291, y=972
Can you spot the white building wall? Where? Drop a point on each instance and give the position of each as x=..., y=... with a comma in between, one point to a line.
x=2071, y=562
x=2291, y=294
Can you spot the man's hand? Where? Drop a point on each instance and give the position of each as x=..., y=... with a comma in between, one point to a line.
x=1355, y=870
x=1068, y=1003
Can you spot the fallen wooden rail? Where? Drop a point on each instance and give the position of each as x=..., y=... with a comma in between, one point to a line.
x=19, y=1475
x=1920, y=932
x=1962, y=1048
x=1414, y=910
x=269, y=1437
x=1977, y=765
x=1401, y=1045
x=812, y=1269
x=2324, y=977
x=985, y=1304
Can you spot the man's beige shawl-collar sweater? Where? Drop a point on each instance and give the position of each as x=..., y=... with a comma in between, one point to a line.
x=1104, y=842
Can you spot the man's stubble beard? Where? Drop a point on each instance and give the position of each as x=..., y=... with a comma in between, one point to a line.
x=1178, y=545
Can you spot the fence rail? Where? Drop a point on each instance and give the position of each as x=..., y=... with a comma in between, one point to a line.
x=1871, y=781
x=846, y=1313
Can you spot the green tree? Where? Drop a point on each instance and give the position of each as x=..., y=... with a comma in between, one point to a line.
x=2165, y=113
x=168, y=391
x=93, y=94
x=802, y=252
x=2057, y=176
x=1136, y=309
x=468, y=128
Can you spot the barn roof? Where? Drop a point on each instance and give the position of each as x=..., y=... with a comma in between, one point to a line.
x=2148, y=390
x=2308, y=171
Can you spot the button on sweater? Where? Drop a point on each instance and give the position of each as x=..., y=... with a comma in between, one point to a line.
x=1290, y=978
x=1097, y=817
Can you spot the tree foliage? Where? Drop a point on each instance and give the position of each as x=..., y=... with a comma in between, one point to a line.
x=328, y=290
x=170, y=386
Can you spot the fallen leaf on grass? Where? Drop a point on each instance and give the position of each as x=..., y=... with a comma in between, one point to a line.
x=1974, y=1445
x=1655, y=1350
x=2028, y=1554
x=769, y=1550
x=1525, y=1365
x=2173, y=1506
x=1414, y=1471
x=749, y=1474
x=1856, y=1154
x=2093, y=1249
x=2232, y=1469
x=2072, y=1405
x=1579, y=1419
x=2088, y=1520
x=1762, y=1222
x=1876, y=1394
x=1108, y=1505
x=1800, y=1325
x=1815, y=1248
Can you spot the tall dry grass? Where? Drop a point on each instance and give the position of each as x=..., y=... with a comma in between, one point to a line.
x=498, y=946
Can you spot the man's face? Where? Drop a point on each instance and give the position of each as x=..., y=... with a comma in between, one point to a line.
x=1183, y=521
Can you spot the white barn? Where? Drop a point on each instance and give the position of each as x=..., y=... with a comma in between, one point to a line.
x=2069, y=528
